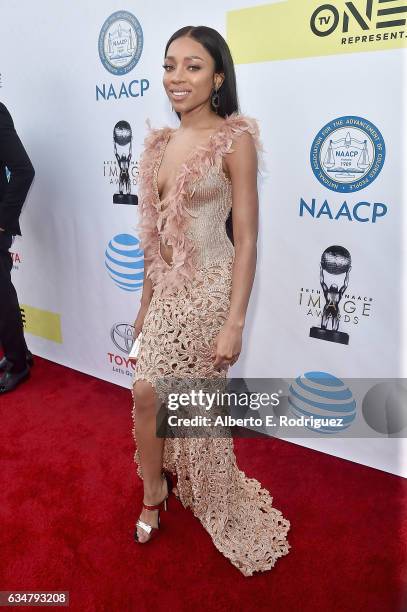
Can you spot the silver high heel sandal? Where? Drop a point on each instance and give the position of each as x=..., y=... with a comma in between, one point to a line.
x=149, y=529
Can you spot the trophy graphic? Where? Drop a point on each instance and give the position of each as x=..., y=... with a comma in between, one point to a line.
x=122, y=138
x=335, y=260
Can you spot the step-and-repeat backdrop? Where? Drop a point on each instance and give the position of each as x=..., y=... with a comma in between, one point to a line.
x=325, y=82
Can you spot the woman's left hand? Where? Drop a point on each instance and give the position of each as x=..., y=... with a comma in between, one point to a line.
x=228, y=345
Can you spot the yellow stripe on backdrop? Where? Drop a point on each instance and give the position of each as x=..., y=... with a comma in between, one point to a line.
x=42, y=323
x=308, y=28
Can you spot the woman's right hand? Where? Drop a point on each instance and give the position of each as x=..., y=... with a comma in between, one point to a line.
x=138, y=323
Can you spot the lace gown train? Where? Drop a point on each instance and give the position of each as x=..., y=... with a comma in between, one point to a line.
x=190, y=302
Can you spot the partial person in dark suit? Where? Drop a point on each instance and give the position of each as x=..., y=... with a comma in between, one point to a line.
x=15, y=365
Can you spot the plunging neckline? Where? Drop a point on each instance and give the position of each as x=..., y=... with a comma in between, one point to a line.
x=194, y=151
x=172, y=220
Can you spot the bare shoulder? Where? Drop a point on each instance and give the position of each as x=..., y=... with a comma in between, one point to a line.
x=241, y=138
x=242, y=155
x=243, y=144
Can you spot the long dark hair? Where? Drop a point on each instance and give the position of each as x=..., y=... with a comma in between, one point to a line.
x=218, y=49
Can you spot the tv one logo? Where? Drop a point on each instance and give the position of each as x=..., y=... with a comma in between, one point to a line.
x=327, y=18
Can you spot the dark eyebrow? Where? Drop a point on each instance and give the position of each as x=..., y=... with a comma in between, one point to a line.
x=171, y=57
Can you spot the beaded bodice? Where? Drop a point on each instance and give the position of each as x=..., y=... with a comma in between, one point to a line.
x=191, y=219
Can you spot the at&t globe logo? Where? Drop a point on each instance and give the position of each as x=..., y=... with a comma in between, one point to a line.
x=347, y=154
x=124, y=262
x=120, y=42
x=322, y=395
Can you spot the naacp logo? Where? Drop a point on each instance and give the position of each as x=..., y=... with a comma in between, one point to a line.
x=347, y=154
x=120, y=42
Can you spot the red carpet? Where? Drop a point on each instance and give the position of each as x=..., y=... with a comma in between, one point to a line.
x=70, y=498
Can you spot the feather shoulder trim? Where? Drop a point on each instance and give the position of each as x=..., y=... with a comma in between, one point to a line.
x=171, y=222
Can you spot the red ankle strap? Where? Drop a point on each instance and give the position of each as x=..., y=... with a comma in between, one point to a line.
x=156, y=507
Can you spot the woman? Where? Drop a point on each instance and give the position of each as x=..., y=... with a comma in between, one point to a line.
x=195, y=295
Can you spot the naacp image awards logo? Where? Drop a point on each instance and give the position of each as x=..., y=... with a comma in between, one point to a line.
x=122, y=142
x=335, y=261
x=120, y=42
x=333, y=303
x=347, y=154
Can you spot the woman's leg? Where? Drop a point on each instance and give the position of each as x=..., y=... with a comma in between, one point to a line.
x=151, y=451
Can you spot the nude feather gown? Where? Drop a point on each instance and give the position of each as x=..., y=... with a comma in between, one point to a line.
x=190, y=302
